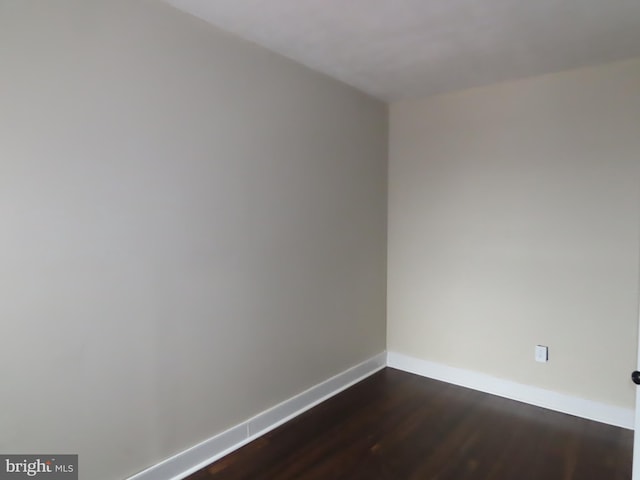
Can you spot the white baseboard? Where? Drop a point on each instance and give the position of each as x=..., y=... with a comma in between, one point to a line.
x=579, y=407
x=193, y=459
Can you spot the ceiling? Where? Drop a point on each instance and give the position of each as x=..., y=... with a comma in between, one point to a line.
x=402, y=49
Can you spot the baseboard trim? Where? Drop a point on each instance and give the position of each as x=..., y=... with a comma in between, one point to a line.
x=193, y=459
x=579, y=407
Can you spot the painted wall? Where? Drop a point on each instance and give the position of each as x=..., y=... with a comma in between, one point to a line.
x=193, y=230
x=514, y=212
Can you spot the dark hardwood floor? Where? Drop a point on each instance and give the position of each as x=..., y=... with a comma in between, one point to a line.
x=396, y=426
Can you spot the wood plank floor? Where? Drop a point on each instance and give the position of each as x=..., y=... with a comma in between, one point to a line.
x=396, y=426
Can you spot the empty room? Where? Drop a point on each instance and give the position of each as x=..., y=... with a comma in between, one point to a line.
x=319, y=239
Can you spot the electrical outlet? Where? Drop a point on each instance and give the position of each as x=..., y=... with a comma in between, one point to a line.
x=542, y=354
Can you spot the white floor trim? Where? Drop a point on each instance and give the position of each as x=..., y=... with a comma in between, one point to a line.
x=579, y=407
x=193, y=459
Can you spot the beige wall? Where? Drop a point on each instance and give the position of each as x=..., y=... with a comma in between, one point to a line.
x=193, y=230
x=513, y=220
